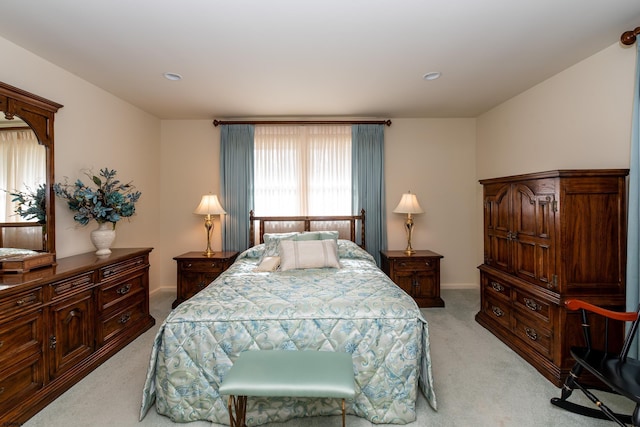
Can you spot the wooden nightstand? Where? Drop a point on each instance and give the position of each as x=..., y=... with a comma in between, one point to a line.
x=417, y=274
x=196, y=271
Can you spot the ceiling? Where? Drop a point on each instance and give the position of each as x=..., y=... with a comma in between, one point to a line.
x=292, y=58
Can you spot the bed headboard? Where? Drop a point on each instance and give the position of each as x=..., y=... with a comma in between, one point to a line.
x=345, y=225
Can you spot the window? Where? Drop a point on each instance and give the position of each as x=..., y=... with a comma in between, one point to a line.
x=302, y=170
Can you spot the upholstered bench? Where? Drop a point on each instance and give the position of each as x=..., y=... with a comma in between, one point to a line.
x=287, y=374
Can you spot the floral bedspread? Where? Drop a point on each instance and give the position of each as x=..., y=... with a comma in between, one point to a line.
x=354, y=309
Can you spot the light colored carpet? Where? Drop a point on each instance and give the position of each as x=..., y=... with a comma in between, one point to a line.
x=478, y=382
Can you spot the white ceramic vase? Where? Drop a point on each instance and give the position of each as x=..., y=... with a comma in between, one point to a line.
x=103, y=237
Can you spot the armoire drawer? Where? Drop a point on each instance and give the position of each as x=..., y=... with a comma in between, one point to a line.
x=496, y=288
x=498, y=311
x=534, y=334
x=531, y=305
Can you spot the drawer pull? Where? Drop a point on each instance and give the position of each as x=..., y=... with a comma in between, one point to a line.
x=428, y=263
x=214, y=265
x=403, y=264
x=189, y=265
x=53, y=341
x=31, y=298
x=497, y=287
x=497, y=311
x=531, y=304
x=202, y=285
x=125, y=318
x=124, y=289
x=108, y=273
x=531, y=333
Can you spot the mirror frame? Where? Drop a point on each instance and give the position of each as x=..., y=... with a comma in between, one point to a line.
x=39, y=114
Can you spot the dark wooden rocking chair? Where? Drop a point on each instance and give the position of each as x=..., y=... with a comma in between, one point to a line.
x=619, y=373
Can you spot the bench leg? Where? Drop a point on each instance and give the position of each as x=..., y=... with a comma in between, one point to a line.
x=238, y=405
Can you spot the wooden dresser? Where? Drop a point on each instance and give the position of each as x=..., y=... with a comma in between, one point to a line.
x=549, y=237
x=59, y=323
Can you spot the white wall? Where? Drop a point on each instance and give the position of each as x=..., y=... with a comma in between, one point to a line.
x=577, y=119
x=434, y=158
x=94, y=129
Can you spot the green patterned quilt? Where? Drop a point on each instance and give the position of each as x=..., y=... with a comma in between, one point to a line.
x=355, y=309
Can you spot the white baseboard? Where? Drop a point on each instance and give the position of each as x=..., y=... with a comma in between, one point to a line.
x=459, y=286
x=162, y=289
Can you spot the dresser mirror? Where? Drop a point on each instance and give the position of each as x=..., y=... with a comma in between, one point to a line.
x=26, y=155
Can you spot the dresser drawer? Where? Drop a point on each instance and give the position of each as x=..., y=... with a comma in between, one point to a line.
x=497, y=310
x=531, y=305
x=112, y=293
x=122, y=267
x=20, y=302
x=73, y=284
x=122, y=319
x=209, y=266
x=416, y=264
x=535, y=334
x=20, y=381
x=21, y=337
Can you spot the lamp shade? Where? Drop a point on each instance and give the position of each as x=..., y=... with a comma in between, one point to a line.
x=209, y=205
x=408, y=205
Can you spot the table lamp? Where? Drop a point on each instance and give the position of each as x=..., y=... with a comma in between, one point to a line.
x=408, y=205
x=209, y=205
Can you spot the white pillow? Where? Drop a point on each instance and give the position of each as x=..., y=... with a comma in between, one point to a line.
x=270, y=263
x=296, y=254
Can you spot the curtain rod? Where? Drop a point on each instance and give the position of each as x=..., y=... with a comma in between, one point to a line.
x=629, y=37
x=303, y=122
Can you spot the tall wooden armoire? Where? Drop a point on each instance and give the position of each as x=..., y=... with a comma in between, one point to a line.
x=549, y=237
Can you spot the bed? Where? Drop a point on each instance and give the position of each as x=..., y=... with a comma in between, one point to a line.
x=351, y=306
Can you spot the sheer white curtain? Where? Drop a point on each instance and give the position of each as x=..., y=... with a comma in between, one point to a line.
x=24, y=165
x=302, y=170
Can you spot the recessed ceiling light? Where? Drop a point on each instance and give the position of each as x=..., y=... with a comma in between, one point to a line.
x=172, y=76
x=432, y=75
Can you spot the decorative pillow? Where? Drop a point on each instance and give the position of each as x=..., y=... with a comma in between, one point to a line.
x=268, y=237
x=317, y=235
x=271, y=241
x=270, y=263
x=296, y=254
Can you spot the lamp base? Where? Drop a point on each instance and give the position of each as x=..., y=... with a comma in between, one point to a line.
x=208, y=253
x=409, y=251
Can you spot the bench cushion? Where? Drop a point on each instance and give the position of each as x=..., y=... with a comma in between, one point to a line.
x=290, y=373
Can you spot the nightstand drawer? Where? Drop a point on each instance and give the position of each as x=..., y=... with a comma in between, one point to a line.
x=212, y=266
x=416, y=264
